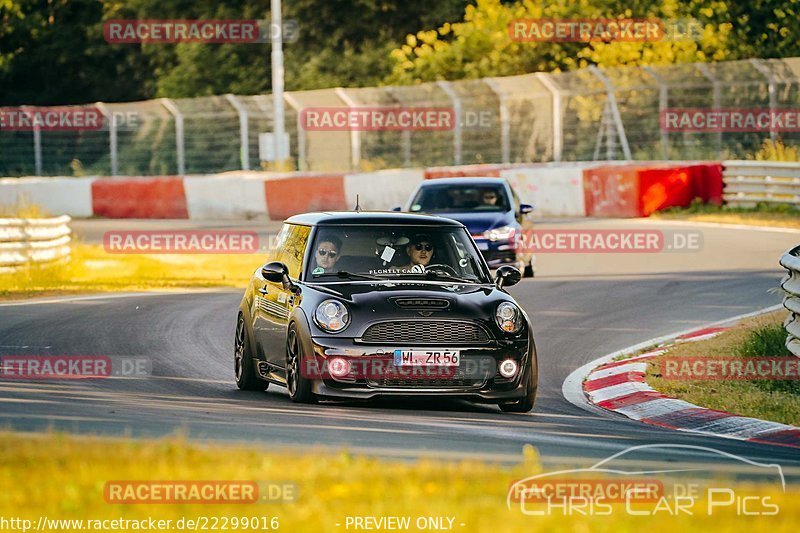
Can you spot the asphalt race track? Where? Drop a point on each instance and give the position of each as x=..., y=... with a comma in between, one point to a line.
x=583, y=306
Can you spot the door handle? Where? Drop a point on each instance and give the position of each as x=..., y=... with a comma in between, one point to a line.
x=263, y=290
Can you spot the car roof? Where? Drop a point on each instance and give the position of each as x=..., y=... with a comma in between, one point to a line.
x=390, y=218
x=481, y=180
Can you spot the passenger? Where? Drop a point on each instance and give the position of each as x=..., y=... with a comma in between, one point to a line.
x=327, y=254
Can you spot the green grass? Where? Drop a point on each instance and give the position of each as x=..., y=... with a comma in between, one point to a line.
x=774, y=400
x=775, y=215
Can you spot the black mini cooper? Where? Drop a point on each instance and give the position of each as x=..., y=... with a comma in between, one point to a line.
x=359, y=305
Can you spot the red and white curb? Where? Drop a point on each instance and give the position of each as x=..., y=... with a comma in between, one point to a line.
x=619, y=386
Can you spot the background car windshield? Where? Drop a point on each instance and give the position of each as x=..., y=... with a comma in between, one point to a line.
x=444, y=198
x=395, y=252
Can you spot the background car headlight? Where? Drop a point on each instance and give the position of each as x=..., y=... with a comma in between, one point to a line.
x=508, y=317
x=505, y=233
x=332, y=316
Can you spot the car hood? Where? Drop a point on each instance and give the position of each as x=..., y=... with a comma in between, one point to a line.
x=478, y=222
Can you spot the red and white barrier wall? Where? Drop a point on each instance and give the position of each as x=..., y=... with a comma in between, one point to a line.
x=555, y=189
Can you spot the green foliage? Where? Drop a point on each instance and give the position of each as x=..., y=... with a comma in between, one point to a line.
x=481, y=44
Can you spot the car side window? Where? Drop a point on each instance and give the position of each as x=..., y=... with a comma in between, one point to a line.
x=291, y=245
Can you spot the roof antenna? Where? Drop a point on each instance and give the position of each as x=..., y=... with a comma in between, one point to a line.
x=358, y=207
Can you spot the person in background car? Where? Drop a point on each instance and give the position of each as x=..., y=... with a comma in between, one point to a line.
x=489, y=197
x=327, y=254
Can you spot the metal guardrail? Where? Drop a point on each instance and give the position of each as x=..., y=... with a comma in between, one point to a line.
x=748, y=183
x=33, y=240
x=791, y=284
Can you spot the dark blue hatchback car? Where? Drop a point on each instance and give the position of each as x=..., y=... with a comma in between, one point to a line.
x=488, y=207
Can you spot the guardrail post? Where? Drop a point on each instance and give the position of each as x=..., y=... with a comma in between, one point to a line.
x=771, y=89
x=112, y=136
x=663, y=103
x=244, y=151
x=617, y=118
x=505, y=119
x=558, y=125
x=179, y=140
x=716, y=100
x=457, y=137
x=355, y=135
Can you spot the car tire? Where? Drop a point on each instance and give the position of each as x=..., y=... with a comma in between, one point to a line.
x=524, y=404
x=243, y=367
x=299, y=386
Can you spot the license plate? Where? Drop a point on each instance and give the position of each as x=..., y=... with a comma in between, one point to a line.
x=482, y=245
x=427, y=357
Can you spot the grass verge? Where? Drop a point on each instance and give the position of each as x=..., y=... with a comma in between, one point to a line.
x=62, y=477
x=91, y=269
x=779, y=216
x=762, y=336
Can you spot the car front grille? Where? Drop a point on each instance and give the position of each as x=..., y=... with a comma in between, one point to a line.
x=421, y=332
x=411, y=382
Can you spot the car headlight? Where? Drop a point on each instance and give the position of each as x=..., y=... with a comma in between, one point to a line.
x=332, y=316
x=505, y=233
x=508, y=317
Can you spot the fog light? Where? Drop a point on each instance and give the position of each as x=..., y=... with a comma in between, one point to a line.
x=508, y=368
x=338, y=367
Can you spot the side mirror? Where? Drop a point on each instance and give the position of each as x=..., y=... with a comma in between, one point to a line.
x=397, y=208
x=275, y=272
x=524, y=209
x=507, y=276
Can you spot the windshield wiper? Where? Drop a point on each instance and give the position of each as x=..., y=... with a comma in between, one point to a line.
x=435, y=274
x=352, y=275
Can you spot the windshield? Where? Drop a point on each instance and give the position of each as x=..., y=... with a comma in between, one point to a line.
x=444, y=198
x=413, y=252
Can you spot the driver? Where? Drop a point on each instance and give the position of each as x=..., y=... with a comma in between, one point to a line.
x=489, y=197
x=327, y=254
x=420, y=251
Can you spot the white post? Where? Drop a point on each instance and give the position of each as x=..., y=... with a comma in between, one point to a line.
x=112, y=136
x=558, y=127
x=458, y=142
x=244, y=151
x=505, y=119
x=276, y=37
x=773, y=95
x=179, y=140
x=612, y=99
x=355, y=135
x=302, y=164
x=715, y=99
x=37, y=146
x=663, y=102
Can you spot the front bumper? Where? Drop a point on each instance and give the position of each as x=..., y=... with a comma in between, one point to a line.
x=374, y=375
x=497, y=253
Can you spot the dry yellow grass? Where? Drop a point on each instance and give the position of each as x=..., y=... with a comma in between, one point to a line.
x=748, y=398
x=63, y=477
x=775, y=220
